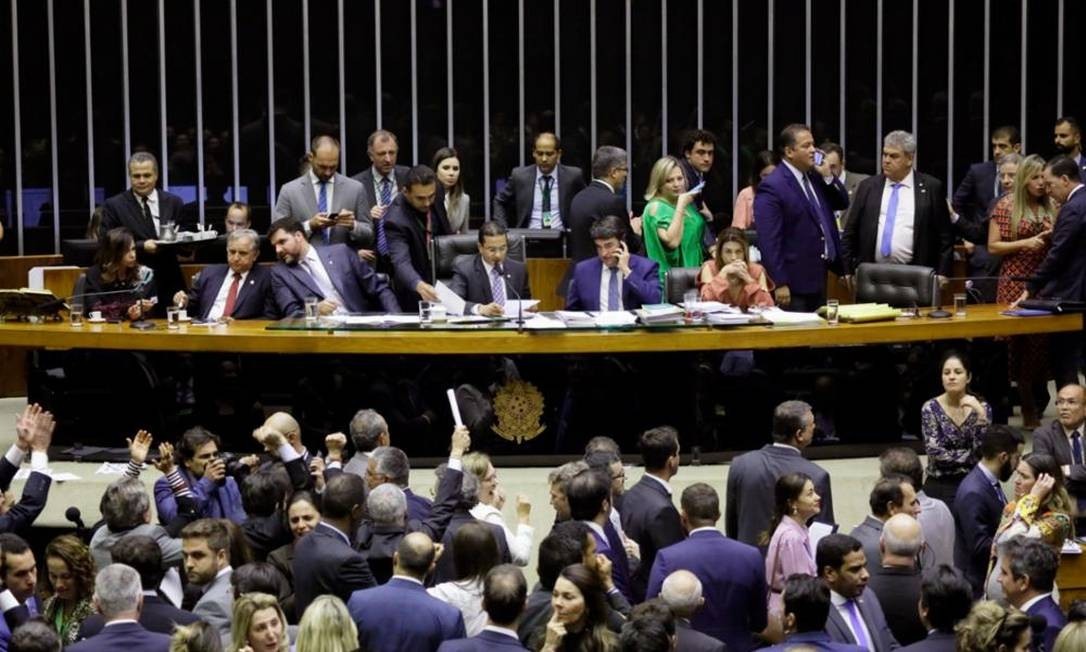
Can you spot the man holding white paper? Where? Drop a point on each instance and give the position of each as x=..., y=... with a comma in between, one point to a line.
x=489, y=279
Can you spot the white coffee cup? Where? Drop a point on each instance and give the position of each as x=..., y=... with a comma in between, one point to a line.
x=182, y=314
x=95, y=315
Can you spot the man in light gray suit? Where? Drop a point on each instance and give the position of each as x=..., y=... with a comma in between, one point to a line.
x=206, y=547
x=835, y=159
x=368, y=431
x=328, y=204
x=539, y=196
x=381, y=182
x=753, y=476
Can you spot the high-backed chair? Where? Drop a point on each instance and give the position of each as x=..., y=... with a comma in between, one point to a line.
x=678, y=281
x=447, y=248
x=901, y=286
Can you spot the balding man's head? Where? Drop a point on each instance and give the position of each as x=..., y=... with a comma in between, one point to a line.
x=284, y=423
x=901, y=539
x=682, y=592
x=1071, y=406
x=414, y=556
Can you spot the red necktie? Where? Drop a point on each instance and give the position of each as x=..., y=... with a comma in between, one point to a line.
x=232, y=296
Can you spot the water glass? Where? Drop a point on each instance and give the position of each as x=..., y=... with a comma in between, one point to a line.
x=311, y=311
x=691, y=305
x=959, y=304
x=833, y=312
x=438, y=313
x=172, y=315
x=426, y=312
x=76, y=314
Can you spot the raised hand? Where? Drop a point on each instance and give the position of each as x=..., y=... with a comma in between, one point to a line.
x=335, y=443
x=24, y=426
x=164, y=463
x=1043, y=486
x=44, y=425
x=461, y=441
x=139, y=447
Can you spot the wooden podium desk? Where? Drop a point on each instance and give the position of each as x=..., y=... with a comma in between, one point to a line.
x=1071, y=578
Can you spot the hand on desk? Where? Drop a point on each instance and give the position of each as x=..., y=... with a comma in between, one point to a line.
x=326, y=307
x=491, y=310
x=143, y=306
x=1021, y=297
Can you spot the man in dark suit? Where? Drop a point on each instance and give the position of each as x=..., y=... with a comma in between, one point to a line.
x=835, y=160
x=649, y=516
x=896, y=578
x=855, y=616
x=681, y=591
x=33, y=435
x=483, y=281
x=390, y=464
x=899, y=216
x=945, y=598
x=753, y=475
x=504, y=594
x=334, y=275
x=539, y=196
x=979, y=502
x=1062, y=275
x=1027, y=573
x=732, y=573
x=413, y=220
x=118, y=597
x=444, y=569
x=381, y=182
x=19, y=573
x=793, y=213
x=143, y=209
x=400, y=615
x=240, y=289
x=698, y=155
x=1067, y=138
x=807, y=605
x=980, y=187
x=1064, y=438
x=325, y=560
x=328, y=204
x=614, y=279
x=890, y=496
x=650, y=628
x=610, y=168
x=589, y=496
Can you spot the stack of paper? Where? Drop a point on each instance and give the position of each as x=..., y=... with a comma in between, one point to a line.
x=613, y=318
x=709, y=307
x=659, y=313
x=730, y=318
x=576, y=318
x=779, y=317
x=865, y=312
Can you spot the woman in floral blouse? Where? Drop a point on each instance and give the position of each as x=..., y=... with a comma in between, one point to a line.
x=69, y=586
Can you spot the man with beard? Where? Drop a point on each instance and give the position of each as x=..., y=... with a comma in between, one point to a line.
x=1067, y=137
x=206, y=547
x=980, y=501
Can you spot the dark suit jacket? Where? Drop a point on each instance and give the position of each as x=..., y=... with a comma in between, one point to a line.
x=649, y=517
x=405, y=229
x=124, y=636
x=401, y=615
x=1062, y=275
x=869, y=533
x=976, y=193
x=35, y=493
x=537, y=611
x=592, y=203
x=818, y=640
x=1050, y=440
x=324, y=563
x=471, y=283
x=898, y=590
x=641, y=287
x=751, y=481
x=255, y=299
x=158, y=616
x=977, y=513
x=125, y=210
x=732, y=577
x=418, y=507
x=610, y=546
x=689, y=639
x=445, y=571
x=369, y=197
x=793, y=235
x=1054, y=618
x=882, y=639
x=361, y=289
x=482, y=642
x=513, y=205
x=266, y=533
x=933, y=240
x=935, y=642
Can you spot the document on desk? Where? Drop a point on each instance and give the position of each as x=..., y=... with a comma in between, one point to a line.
x=613, y=318
x=377, y=320
x=514, y=308
x=576, y=318
x=730, y=318
x=539, y=322
x=454, y=305
x=779, y=317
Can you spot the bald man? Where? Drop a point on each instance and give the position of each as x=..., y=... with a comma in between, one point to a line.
x=897, y=580
x=681, y=592
x=1063, y=439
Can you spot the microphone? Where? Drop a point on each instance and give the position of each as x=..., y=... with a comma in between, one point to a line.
x=937, y=311
x=509, y=286
x=74, y=516
x=146, y=276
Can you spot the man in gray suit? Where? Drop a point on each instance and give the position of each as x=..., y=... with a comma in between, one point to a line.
x=328, y=204
x=539, y=196
x=835, y=159
x=369, y=430
x=891, y=496
x=855, y=617
x=381, y=182
x=206, y=547
x=1063, y=439
x=753, y=475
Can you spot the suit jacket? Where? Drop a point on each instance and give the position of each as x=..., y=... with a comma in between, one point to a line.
x=1050, y=440
x=369, y=196
x=751, y=481
x=977, y=514
x=158, y=615
x=212, y=499
x=216, y=605
x=401, y=615
x=641, y=287
x=935, y=642
x=297, y=200
x=732, y=577
x=898, y=590
x=1055, y=619
x=471, y=283
x=610, y=546
x=418, y=507
x=869, y=532
x=355, y=281
x=125, y=210
x=255, y=300
x=689, y=639
x=976, y=193
x=405, y=229
x=513, y=205
x=852, y=181
x=649, y=517
x=1062, y=274
x=124, y=636
x=818, y=640
x=933, y=239
x=595, y=201
x=35, y=493
x=445, y=571
x=798, y=241
x=483, y=642
x=325, y=563
x=266, y=533
x=882, y=639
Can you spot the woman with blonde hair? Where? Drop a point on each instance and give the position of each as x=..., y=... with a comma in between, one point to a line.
x=69, y=585
x=196, y=637
x=990, y=627
x=672, y=225
x=258, y=625
x=327, y=626
x=491, y=501
x=1072, y=638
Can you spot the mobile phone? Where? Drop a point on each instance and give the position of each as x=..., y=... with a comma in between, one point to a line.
x=699, y=187
x=332, y=216
x=819, y=156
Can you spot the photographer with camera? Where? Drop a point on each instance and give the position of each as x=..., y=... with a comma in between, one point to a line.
x=203, y=469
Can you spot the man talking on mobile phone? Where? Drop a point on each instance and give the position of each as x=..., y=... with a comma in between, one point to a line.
x=615, y=279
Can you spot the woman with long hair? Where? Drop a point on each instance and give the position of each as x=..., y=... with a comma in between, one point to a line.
x=672, y=225
x=795, y=503
x=579, y=615
x=449, y=174
x=491, y=501
x=729, y=276
x=475, y=552
x=303, y=514
x=258, y=624
x=116, y=270
x=991, y=627
x=68, y=586
x=195, y=637
x=327, y=626
x=763, y=165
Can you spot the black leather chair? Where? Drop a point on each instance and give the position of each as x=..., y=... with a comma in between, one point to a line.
x=901, y=286
x=678, y=281
x=447, y=248
x=79, y=252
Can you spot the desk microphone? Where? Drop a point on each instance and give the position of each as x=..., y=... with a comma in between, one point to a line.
x=937, y=311
x=509, y=286
x=76, y=518
x=146, y=276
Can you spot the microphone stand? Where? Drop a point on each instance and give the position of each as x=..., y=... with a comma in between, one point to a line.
x=142, y=324
x=520, y=303
x=937, y=311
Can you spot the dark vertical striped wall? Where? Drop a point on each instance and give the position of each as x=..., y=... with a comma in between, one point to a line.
x=194, y=81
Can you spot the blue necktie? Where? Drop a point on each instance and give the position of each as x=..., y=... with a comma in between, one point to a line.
x=888, y=226
x=1076, y=447
x=613, y=301
x=386, y=199
x=497, y=287
x=810, y=192
x=857, y=625
x=322, y=207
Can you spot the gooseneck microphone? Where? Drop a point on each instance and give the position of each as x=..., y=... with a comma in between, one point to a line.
x=509, y=286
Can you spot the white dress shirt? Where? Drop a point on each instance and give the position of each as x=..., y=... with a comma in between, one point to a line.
x=153, y=205
x=839, y=603
x=312, y=263
x=536, y=221
x=901, y=243
x=219, y=306
x=467, y=596
x=605, y=281
x=489, y=269
x=519, y=542
x=1032, y=601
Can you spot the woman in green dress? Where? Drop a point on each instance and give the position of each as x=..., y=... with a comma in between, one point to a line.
x=668, y=241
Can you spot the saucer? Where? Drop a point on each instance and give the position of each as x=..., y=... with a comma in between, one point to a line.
x=100, y=320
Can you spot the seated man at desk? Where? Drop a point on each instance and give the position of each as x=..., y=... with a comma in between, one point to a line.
x=333, y=275
x=615, y=279
x=483, y=280
x=240, y=289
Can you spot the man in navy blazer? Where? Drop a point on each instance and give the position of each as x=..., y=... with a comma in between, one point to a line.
x=401, y=615
x=118, y=596
x=631, y=280
x=807, y=605
x=240, y=289
x=413, y=220
x=1027, y=573
x=855, y=615
x=477, y=278
x=334, y=275
x=945, y=598
x=732, y=573
x=589, y=496
x=504, y=593
x=610, y=167
x=979, y=502
x=980, y=187
x=797, y=233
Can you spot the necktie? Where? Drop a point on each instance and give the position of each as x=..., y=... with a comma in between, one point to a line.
x=1076, y=447
x=613, y=300
x=232, y=296
x=547, y=179
x=322, y=207
x=386, y=199
x=810, y=192
x=857, y=624
x=888, y=226
x=147, y=213
x=999, y=493
x=497, y=287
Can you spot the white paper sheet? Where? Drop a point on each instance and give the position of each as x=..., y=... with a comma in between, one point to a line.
x=454, y=305
x=511, y=309
x=819, y=530
x=784, y=318
x=376, y=320
x=613, y=318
